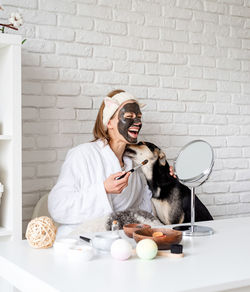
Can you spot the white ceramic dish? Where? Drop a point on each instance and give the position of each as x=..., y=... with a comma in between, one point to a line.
x=63, y=244
x=102, y=242
x=81, y=253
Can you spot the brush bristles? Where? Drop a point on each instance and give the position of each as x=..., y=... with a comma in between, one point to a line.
x=144, y=162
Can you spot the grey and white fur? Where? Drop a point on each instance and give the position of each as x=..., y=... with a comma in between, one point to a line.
x=104, y=223
x=131, y=216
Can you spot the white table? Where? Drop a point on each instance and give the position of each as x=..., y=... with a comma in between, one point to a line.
x=213, y=263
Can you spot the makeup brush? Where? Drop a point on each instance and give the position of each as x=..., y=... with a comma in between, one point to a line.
x=133, y=169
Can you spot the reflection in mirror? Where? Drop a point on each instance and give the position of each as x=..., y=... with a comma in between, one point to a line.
x=194, y=160
x=192, y=167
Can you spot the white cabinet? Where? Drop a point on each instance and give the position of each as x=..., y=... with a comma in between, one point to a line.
x=10, y=137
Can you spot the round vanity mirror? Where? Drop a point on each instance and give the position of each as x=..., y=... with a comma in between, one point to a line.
x=194, y=163
x=192, y=168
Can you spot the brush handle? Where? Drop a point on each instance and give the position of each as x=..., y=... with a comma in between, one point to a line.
x=122, y=176
x=132, y=169
x=161, y=253
x=85, y=238
x=170, y=254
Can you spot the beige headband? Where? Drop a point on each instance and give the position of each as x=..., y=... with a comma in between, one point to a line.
x=113, y=103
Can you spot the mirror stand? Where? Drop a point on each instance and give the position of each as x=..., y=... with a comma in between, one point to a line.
x=192, y=168
x=195, y=230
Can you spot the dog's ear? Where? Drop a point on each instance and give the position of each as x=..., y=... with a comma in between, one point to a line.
x=162, y=158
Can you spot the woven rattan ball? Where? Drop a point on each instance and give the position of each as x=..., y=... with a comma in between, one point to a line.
x=41, y=232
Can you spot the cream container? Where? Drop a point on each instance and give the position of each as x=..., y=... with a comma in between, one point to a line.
x=102, y=242
x=63, y=244
x=80, y=253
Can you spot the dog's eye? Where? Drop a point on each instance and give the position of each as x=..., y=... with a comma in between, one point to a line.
x=140, y=143
x=130, y=151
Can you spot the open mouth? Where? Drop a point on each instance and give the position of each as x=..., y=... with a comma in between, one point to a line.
x=133, y=132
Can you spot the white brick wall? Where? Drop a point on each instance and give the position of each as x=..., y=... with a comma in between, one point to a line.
x=189, y=60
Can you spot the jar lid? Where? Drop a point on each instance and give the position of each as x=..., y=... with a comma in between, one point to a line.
x=63, y=244
x=176, y=248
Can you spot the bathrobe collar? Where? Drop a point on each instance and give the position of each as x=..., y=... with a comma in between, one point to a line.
x=106, y=149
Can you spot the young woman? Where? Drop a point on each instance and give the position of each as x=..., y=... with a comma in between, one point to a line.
x=87, y=187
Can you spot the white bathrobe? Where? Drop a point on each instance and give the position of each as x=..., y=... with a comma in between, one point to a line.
x=79, y=194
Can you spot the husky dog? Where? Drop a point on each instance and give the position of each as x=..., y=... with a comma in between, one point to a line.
x=171, y=199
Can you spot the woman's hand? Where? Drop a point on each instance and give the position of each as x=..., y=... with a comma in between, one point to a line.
x=113, y=186
x=171, y=171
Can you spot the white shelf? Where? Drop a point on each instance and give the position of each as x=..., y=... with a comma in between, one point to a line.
x=5, y=137
x=10, y=137
x=9, y=39
x=5, y=232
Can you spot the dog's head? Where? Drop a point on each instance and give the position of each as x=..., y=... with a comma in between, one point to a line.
x=146, y=150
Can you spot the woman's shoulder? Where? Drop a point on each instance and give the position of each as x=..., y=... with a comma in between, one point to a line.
x=86, y=148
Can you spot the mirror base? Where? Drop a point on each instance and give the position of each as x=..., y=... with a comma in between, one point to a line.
x=197, y=231
x=182, y=227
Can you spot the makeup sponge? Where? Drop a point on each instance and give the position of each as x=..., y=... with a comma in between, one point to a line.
x=121, y=249
x=146, y=249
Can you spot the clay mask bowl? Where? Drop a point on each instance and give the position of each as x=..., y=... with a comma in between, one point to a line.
x=169, y=237
x=129, y=229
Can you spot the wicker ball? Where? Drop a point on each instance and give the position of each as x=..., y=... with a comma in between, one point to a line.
x=41, y=232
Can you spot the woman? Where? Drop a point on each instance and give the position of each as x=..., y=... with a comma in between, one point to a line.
x=87, y=187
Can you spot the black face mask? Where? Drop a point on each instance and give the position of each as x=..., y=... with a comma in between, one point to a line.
x=125, y=123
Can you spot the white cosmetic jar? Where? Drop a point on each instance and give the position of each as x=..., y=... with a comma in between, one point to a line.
x=63, y=244
x=80, y=253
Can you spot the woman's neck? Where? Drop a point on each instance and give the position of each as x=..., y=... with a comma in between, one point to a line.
x=118, y=148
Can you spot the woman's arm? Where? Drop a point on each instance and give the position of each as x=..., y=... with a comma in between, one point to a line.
x=73, y=198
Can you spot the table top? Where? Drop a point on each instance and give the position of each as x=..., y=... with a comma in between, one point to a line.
x=211, y=263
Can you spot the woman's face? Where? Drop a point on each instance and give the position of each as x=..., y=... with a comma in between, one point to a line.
x=127, y=122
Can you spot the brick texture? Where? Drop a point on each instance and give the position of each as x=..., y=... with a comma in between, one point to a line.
x=187, y=60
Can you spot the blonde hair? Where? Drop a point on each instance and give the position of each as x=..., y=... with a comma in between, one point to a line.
x=99, y=131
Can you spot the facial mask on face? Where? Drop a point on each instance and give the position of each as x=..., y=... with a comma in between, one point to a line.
x=129, y=127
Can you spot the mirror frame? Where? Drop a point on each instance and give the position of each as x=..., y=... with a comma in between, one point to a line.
x=206, y=172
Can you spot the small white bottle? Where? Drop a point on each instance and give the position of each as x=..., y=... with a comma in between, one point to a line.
x=115, y=229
